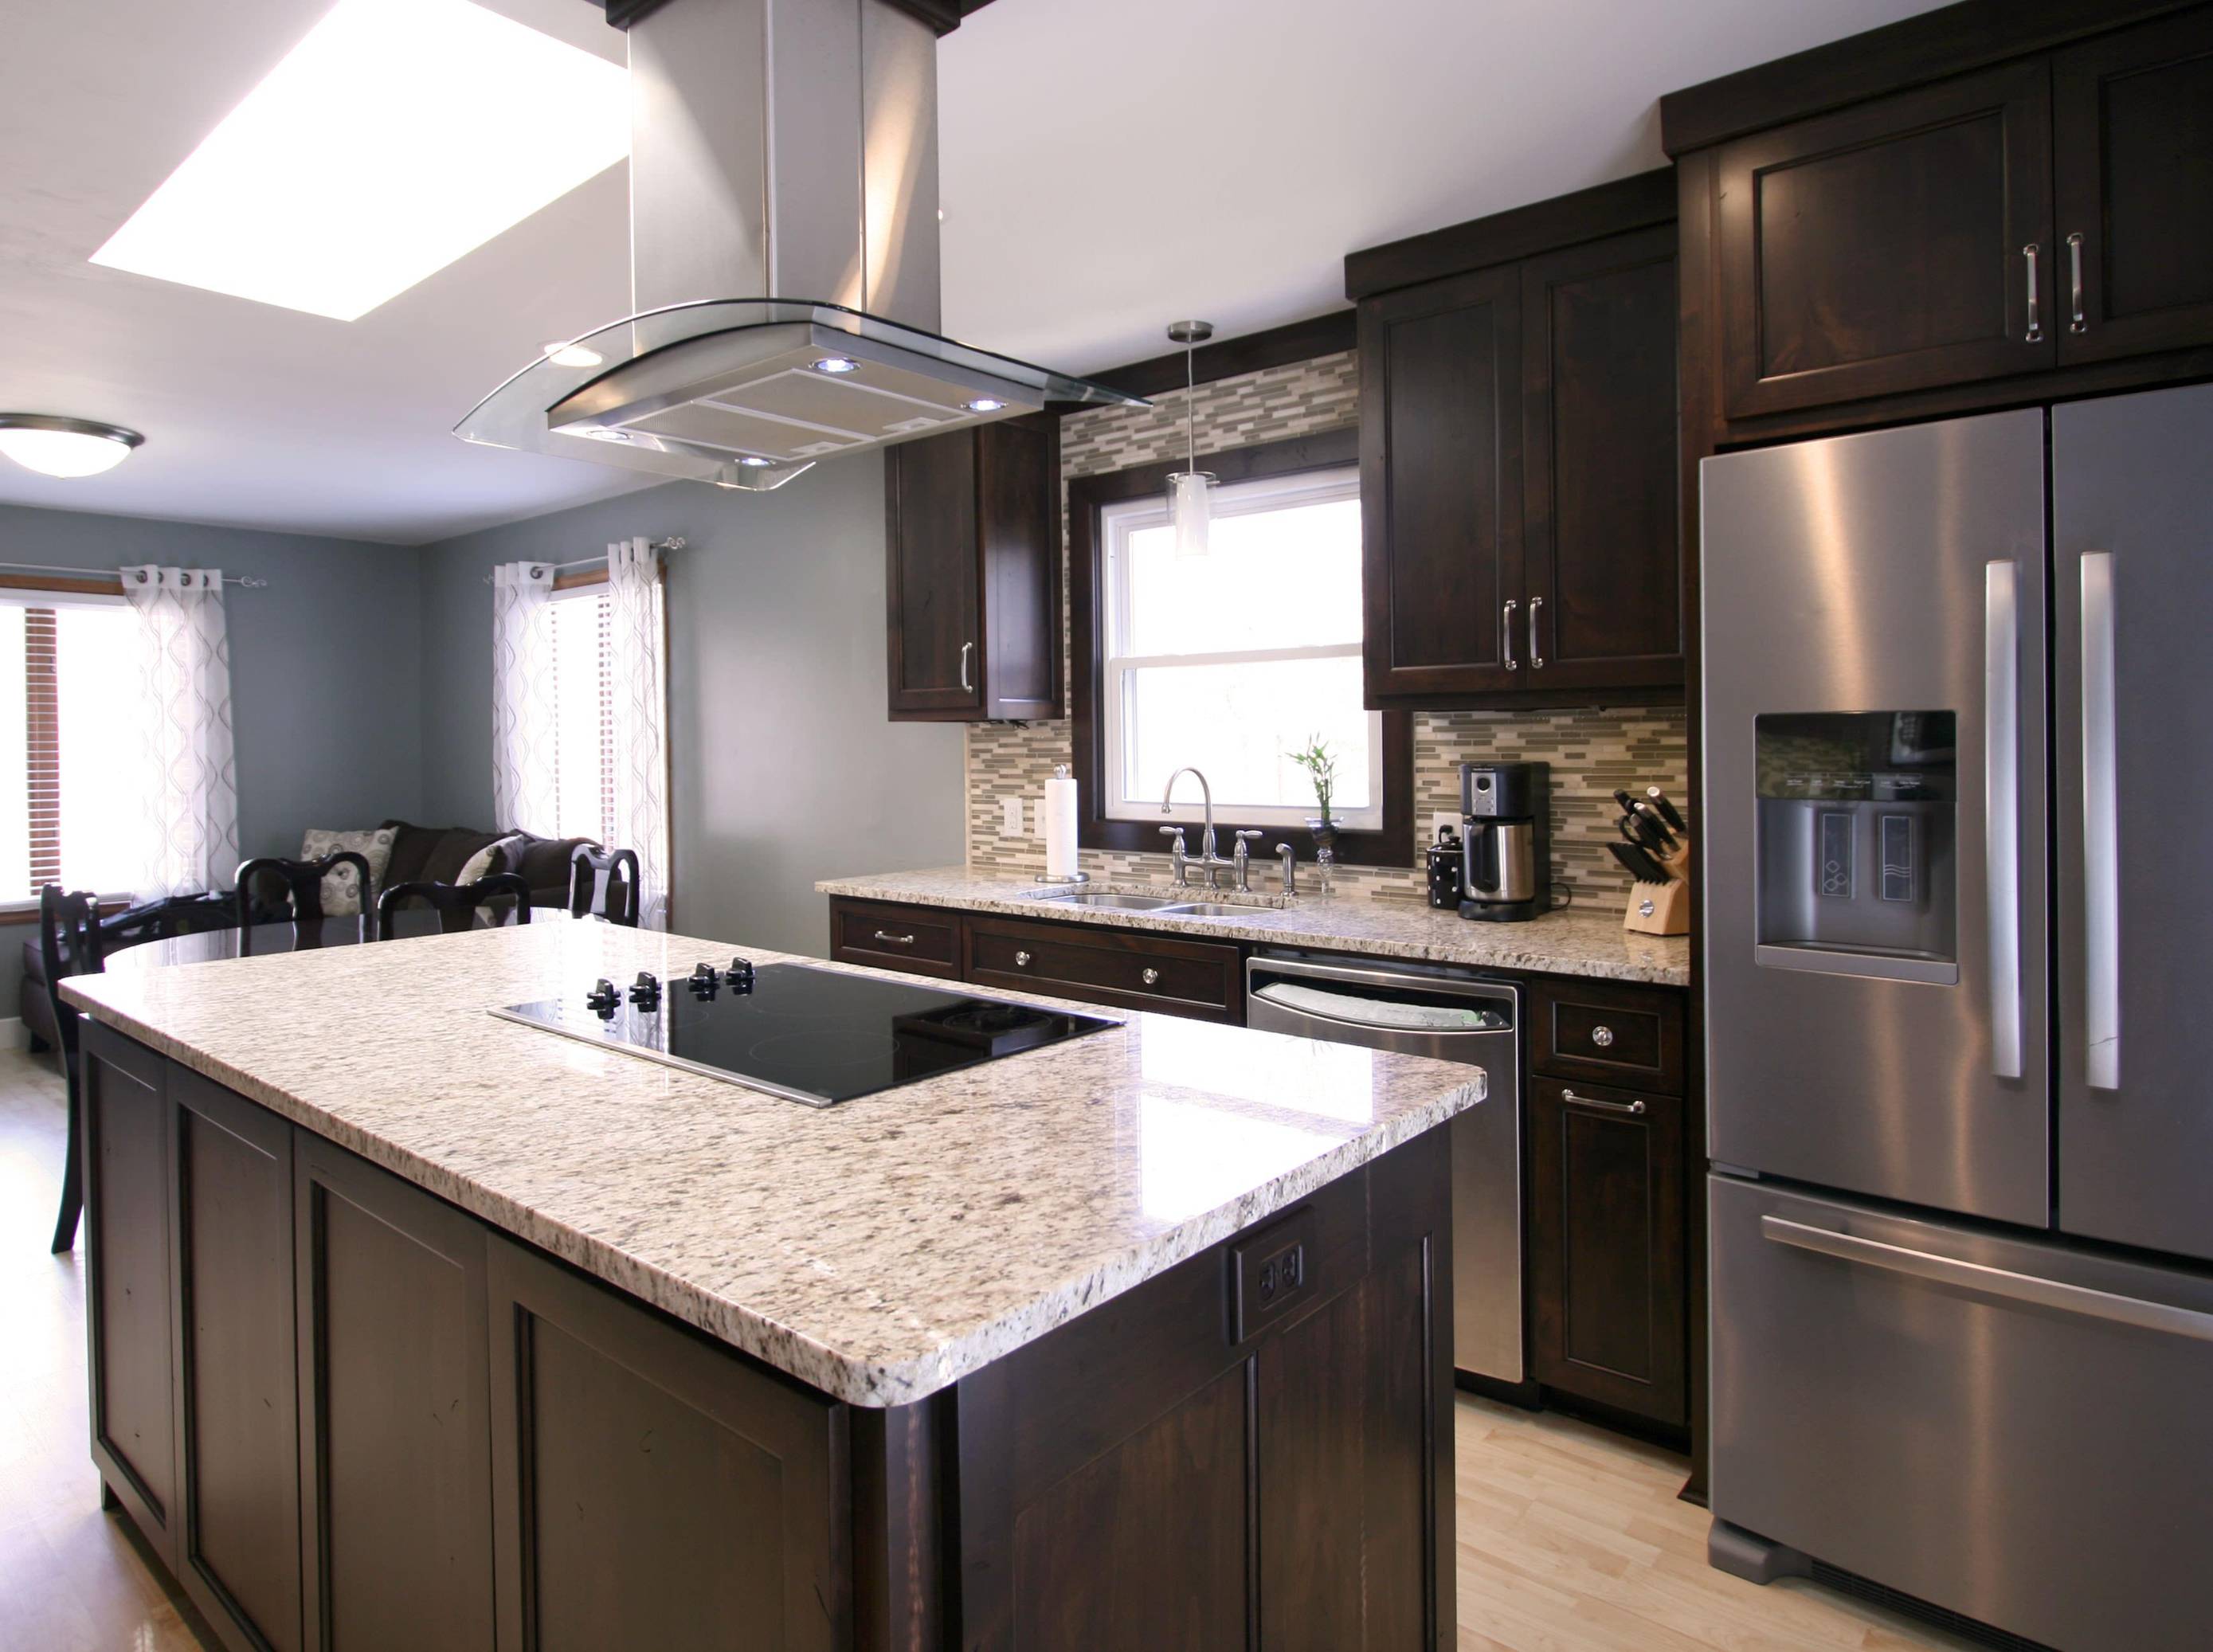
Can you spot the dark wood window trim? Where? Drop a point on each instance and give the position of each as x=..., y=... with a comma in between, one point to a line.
x=1087, y=494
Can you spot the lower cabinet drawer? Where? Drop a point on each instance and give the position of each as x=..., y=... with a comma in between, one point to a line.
x=1122, y=967
x=923, y=940
x=1608, y=1033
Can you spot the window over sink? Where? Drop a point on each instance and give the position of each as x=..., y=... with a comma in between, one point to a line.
x=1231, y=661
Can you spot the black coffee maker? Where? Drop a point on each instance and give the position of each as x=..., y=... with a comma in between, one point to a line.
x=1505, y=841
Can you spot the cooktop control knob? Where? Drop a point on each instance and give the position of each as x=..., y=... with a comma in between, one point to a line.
x=741, y=977
x=645, y=992
x=602, y=998
x=702, y=980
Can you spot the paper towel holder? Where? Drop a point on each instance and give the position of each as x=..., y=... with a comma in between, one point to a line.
x=1060, y=772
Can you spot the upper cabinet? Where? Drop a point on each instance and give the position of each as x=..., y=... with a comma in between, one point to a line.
x=1518, y=457
x=973, y=576
x=1973, y=208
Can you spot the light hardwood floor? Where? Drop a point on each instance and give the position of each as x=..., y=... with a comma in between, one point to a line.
x=1571, y=1539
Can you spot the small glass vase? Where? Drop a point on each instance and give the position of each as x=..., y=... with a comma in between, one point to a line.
x=1324, y=839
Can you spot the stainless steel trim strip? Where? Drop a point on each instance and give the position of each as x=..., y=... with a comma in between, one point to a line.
x=2102, y=834
x=2002, y=807
x=2002, y=1284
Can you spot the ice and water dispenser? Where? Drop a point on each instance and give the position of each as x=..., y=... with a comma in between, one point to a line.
x=1857, y=843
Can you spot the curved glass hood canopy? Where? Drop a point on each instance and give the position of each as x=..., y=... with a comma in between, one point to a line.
x=784, y=147
x=748, y=392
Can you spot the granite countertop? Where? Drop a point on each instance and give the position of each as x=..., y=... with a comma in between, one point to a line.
x=878, y=1249
x=1566, y=943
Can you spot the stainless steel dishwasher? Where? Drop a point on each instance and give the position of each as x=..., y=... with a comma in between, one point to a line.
x=1427, y=1009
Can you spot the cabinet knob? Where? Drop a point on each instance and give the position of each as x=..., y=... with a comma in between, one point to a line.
x=1150, y=977
x=1021, y=960
x=1602, y=1036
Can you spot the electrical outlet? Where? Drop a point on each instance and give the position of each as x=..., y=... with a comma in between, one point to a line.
x=1010, y=817
x=1439, y=820
x=1272, y=1273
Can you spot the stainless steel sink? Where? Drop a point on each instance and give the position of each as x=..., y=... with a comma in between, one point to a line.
x=1213, y=909
x=1120, y=903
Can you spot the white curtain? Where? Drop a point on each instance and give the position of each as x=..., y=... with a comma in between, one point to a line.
x=638, y=670
x=190, y=840
x=523, y=731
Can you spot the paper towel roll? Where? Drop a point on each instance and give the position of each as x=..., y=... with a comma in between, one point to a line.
x=1060, y=825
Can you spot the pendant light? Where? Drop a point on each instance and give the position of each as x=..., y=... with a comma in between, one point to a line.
x=1188, y=506
x=54, y=445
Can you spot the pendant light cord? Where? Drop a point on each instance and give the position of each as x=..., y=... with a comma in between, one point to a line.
x=1191, y=407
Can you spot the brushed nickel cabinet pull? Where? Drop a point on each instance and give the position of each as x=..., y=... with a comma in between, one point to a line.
x=966, y=687
x=1506, y=634
x=1150, y=977
x=1536, y=658
x=2035, y=333
x=2078, y=322
x=1602, y=1036
x=1021, y=960
x=891, y=939
x=1635, y=1109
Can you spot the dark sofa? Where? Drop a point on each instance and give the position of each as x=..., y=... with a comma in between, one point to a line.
x=419, y=855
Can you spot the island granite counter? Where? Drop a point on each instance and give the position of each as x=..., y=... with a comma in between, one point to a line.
x=1100, y=1344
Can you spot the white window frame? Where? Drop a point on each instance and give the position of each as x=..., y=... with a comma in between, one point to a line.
x=1117, y=521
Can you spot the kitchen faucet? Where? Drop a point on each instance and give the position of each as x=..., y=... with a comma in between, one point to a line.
x=1209, y=860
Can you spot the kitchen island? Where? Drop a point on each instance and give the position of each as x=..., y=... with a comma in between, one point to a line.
x=411, y=1326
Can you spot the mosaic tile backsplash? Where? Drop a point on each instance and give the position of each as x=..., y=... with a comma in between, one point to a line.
x=1593, y=751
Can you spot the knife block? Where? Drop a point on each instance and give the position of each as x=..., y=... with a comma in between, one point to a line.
x=1663, y=908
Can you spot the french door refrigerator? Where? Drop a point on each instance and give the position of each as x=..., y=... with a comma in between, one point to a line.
x=1958, y=932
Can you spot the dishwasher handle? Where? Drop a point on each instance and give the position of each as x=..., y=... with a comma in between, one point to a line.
x=1457, y=989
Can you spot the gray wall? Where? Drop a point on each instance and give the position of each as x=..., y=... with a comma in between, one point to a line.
x=786, y=767
x=326, y=666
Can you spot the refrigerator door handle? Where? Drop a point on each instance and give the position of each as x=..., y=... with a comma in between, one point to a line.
x=1980, y=1279
x=2101, y=857
x=2001, y=807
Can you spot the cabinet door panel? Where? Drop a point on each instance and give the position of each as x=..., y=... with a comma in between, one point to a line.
x=1879, y=249
x=396, y=1435
x=654, y=1490
x=1441, y=486
x=130, y=1330
x=933, y=593
x=2132, y=140
x=1605, y=1245
x=1602, y=585
x=241, y=1414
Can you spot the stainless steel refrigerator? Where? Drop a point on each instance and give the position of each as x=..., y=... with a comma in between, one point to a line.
x=1959, y=939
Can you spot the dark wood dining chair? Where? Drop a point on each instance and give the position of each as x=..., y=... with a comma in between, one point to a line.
x=456, y=904
x=166, y=919
x=68, y=944
x=301, y=884
x=603, y=883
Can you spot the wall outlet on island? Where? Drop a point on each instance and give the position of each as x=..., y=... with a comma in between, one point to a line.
x=1010, y=817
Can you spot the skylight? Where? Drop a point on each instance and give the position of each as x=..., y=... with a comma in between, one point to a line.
x=397, y=136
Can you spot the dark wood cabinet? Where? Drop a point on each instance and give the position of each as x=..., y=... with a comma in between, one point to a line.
x=651, y=1490
x=1128, y=968
x=1889, y=247
x=1607, y=1177
x=920, y=940
x=129, y=1285
x=973, y=576
x=395, y=1438
x=239, y=1552
x=1518, y=462
x=2132, y=149
x=1608, y=1033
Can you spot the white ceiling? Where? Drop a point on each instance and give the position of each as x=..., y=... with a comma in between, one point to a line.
x=1106, y=166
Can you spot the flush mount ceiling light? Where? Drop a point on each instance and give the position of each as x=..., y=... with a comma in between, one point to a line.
x=54, y=446
x=1188, y=508
x=398, y=136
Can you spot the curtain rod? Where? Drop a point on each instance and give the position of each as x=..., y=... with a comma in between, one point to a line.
x=103, y=573
x=674, y=542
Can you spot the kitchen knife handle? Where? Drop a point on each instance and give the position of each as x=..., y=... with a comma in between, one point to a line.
x=2001, y=807
x=2101, y=830
x=1536, y=658
x=1506, y=634
x=1668, y=812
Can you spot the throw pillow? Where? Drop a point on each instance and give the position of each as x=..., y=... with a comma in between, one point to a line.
x=487, y=860
x=340, y=897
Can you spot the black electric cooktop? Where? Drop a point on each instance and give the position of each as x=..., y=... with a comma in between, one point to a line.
x=815, y=1036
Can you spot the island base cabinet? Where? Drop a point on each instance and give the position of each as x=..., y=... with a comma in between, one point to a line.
x=1148, y=1477
x=651, y=1490
x=395, y=1435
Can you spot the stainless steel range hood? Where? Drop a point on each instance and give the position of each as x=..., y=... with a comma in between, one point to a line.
x=786, y=148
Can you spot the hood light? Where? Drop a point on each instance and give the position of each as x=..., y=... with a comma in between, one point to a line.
x=567, y=354
x=608, y=435
x=836, y=364
x=986, y=404
x=55, y=446
x=756, y=462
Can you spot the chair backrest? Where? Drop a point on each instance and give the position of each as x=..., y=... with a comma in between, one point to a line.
x=603, y=883
x=456, y=904
x=303, y=882
x=166, y=918
x=68, y=944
